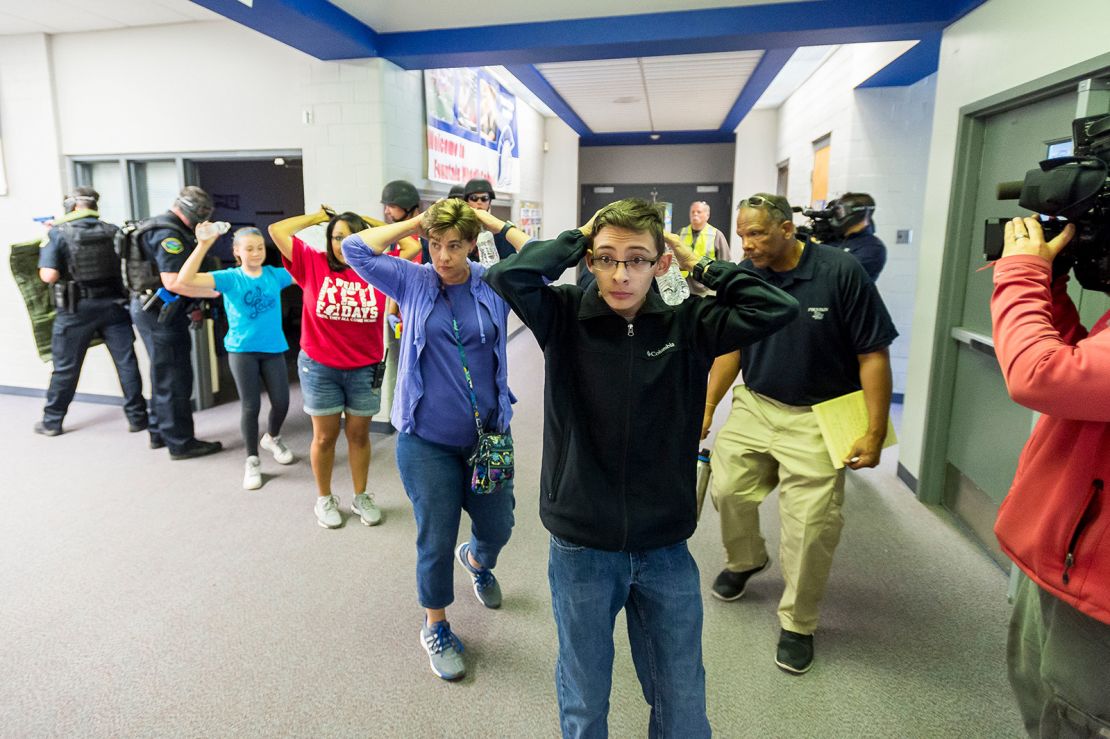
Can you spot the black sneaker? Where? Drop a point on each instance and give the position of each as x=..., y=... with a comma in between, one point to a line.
x=136, y=426
x=42, y=428
x=731, y=585
x=795, y=652
x=196, y=448
x=157, y=442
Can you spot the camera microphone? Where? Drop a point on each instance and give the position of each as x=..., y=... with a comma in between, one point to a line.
x=1009, y=190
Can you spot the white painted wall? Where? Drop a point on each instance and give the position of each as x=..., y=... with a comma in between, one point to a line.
x=703, y=163
x=755, y=168
x=998, y=46
x=34, y=174
x=358, y=124
x=560, y=179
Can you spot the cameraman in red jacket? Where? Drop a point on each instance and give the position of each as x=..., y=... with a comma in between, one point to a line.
x=1055, y=522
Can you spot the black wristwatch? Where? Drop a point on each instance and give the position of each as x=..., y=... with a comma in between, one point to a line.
x=507, y=226
x=700, y=267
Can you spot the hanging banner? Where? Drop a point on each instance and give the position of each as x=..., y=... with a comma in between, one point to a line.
x=472, y=129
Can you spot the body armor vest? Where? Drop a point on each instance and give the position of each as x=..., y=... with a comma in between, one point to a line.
x=92, y=261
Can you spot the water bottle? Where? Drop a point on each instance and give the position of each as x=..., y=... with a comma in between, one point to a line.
x=487, y=250
x=672, y=285
x=212, y=228
x=703, y=476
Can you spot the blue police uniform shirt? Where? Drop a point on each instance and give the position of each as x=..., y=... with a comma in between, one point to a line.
x=168, y=247
x=253, y=306
x=814, y=358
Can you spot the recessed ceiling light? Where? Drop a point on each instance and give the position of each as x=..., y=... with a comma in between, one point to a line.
x=279, y=162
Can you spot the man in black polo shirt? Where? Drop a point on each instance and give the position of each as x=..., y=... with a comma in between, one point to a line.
x=837, y=345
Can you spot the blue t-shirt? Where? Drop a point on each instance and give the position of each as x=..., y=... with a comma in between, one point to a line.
x=253, y=306
x=444, y=414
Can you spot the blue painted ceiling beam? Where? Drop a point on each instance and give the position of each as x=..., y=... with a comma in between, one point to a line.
x=764, y=73
x=531, y=78
x=916, y=64
x=316, y=27
x=319, y=28
x=643, y=138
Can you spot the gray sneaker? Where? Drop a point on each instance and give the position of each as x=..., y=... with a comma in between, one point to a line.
x=486, y=586
x=444, y=650
x=363, y=507
x=327, y=512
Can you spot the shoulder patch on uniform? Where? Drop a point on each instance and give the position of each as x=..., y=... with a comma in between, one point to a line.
x=172, y=245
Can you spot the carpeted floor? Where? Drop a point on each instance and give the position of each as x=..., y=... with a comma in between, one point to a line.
x=144, y=597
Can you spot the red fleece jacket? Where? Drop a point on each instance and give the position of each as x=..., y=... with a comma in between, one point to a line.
x=1055, y=522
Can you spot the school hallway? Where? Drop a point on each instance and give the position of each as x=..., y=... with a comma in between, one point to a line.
x=144, y=597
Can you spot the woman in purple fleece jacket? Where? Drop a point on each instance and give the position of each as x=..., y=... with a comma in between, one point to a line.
x=444, y=303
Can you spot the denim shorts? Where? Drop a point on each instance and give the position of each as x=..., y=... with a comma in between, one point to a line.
x=327, y=391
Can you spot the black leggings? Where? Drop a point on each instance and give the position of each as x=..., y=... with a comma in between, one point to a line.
x=250, y=370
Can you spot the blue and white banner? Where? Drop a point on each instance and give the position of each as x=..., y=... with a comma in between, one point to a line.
x=472, y=129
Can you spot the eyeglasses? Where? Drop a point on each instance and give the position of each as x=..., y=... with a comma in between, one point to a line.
x=639, y=265
x=758, y=201
x=478, y=198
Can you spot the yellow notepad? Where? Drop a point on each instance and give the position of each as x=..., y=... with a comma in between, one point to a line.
x=843, y=420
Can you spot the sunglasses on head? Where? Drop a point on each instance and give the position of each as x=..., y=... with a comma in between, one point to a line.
x=758, y=201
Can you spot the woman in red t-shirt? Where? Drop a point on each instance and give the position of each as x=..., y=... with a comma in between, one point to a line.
x=340, y=363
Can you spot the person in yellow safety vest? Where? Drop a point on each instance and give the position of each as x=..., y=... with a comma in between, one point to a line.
x=705, y=240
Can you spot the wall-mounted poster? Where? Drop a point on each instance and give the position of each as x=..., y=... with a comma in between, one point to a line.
x=472, y=129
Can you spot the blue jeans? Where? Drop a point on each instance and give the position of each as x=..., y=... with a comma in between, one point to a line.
x=437, y=480
x=660, y=592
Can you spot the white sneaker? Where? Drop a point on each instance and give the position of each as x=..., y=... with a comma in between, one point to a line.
x=252, y=474
x=276, y=446
x=363, y=506
x=327, y=512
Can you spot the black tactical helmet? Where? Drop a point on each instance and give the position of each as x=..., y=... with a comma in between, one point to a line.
x=456, y=192
x=473, y=187
x=195, y=203
x=400, y=193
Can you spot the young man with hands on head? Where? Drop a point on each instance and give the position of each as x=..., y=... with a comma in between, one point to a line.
x=619, y=501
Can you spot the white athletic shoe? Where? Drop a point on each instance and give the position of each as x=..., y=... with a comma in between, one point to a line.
x=327, y=512
x=276, y=446
x=252, y=474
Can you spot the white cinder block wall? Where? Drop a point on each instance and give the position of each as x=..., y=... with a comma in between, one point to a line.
x=876, y=137
x=358, y=124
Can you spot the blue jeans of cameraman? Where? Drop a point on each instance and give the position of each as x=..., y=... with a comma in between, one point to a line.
x=659, y=590
x=437, y=480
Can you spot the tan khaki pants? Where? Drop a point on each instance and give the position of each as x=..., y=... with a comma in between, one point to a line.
x=763, y=444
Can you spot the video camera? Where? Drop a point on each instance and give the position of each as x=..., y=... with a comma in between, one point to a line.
x=1073, y=189
x=841, y=214
x=820, y=226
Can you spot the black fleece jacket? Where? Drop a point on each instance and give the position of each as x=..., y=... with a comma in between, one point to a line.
x=623, y=400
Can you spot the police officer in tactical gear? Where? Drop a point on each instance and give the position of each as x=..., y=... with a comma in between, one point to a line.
x=165, y=332
x=80, y=262
x=478, y=194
